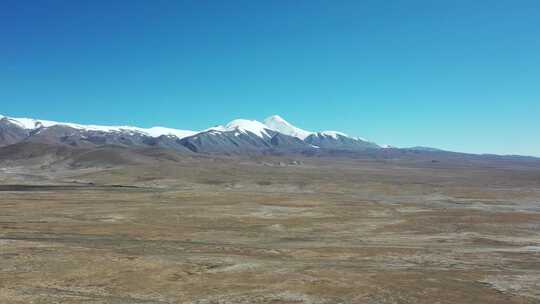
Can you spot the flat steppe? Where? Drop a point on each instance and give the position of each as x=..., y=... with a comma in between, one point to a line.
x=270, y=230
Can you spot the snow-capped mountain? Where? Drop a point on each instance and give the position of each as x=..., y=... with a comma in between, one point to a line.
x=237, y=136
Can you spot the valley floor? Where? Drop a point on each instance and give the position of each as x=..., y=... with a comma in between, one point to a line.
x=270, y=230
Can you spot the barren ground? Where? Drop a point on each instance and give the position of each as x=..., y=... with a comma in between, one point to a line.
x=208, y=230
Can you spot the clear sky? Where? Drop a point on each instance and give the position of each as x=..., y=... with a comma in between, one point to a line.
x=460, y=75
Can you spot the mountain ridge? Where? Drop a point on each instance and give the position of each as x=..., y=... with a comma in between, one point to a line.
x=273, y=122
x=274, y=135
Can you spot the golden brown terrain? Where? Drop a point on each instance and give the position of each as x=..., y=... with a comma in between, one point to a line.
x=270, y=230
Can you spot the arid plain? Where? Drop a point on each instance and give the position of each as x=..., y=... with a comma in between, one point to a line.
x=201, y=229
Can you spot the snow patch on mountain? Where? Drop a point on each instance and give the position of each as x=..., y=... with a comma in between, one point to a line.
x=159, y=131
x=333, y=134
x=243, y=126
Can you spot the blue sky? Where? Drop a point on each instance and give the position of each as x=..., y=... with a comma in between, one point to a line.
x=458, y=75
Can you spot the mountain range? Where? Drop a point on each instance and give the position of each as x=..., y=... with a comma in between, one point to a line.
x=273, y=135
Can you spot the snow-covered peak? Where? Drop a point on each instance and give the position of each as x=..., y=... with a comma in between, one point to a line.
x=243, y=126
x=276, y=123
x=32, y=124
x=277, y=119
x=252, y=126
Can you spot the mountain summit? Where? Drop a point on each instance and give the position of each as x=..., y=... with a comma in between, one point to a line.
x=275, y=122
x=243, y=126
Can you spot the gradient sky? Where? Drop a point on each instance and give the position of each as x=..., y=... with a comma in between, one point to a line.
x=458, y=75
